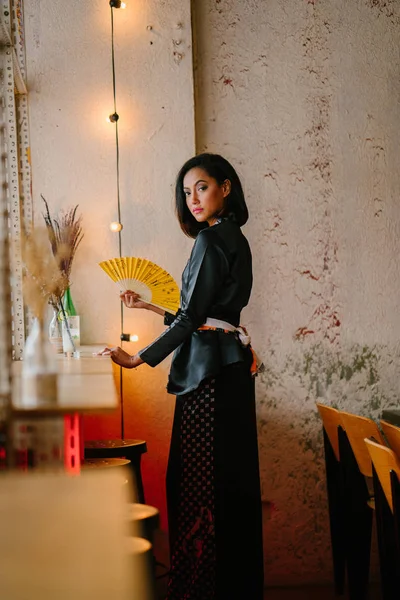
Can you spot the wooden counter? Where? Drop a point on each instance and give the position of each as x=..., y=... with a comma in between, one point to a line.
x=85, y=385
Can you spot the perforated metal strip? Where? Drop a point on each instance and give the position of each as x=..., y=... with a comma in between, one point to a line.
x=22, y=116
x=5, y=296
x=10, y=149
x=5, y=316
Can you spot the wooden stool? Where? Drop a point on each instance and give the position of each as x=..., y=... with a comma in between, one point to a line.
x=104, y=463
x=143, y=569
x=76, y=524
x=144, y=519
x=130, y=449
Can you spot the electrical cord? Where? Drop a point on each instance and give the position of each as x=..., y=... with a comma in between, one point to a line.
x=160, y=564
x=114, y=119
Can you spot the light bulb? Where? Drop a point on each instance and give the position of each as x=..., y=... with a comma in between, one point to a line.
x=113, y=118
x=129, y=337
x=115, y=226
x=123, y=5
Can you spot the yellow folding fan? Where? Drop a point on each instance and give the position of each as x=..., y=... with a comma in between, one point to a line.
x=153, y=284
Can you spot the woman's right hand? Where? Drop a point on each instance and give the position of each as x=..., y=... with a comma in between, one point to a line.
x=132, y=300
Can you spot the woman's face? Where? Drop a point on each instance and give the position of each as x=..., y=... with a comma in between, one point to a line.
x=205, y=198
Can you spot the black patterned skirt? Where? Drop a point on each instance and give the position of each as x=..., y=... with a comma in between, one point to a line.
x=213, y=492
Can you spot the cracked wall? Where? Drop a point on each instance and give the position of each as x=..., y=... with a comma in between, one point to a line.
x=68, y=46
x=303, y=97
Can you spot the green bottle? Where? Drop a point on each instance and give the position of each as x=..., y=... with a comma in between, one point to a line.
x=68, y=304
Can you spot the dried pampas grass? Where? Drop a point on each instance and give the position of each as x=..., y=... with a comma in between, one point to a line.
x=43, y=279
x=64, y=231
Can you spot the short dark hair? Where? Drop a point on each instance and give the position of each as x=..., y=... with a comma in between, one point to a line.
x=220, y=169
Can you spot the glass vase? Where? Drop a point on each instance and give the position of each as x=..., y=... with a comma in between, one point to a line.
x=71, y=339
x=70, y=324
x=39, y=369
x=55, y=332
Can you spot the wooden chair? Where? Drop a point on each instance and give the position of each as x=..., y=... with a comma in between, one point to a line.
x=386, y=475
x=357, y=472
x=357, y=429
x=335, y=487
x=392, y=434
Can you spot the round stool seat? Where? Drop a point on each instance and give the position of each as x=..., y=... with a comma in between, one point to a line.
x=139, y=512
x=118, y=448
x=100, y=448
x=143, y=577
x=144, y=519
x=138, y=545
x=104, y=463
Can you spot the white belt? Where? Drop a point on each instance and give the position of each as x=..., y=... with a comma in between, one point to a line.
x=244, y=338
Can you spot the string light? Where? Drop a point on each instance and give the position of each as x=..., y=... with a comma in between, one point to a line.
x=113, y=118
x=116, y=227
x=117, y=4
x=129, y=337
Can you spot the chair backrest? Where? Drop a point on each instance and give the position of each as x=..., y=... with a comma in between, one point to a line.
x=331, y=421
x=384, y=461
x=357, y=429
x=392, y=434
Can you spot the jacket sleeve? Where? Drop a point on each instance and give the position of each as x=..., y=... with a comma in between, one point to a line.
x=169, y=318
x=208, y=268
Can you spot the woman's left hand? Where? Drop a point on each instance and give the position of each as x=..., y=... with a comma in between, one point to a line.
x=122, y=358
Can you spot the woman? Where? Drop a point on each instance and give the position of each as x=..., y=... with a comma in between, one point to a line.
x=213, y=487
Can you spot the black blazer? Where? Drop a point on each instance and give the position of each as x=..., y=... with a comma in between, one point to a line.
x=216, y=283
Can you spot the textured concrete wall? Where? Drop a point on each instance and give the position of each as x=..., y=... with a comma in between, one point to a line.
x=68, y=47
x=303, y=97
